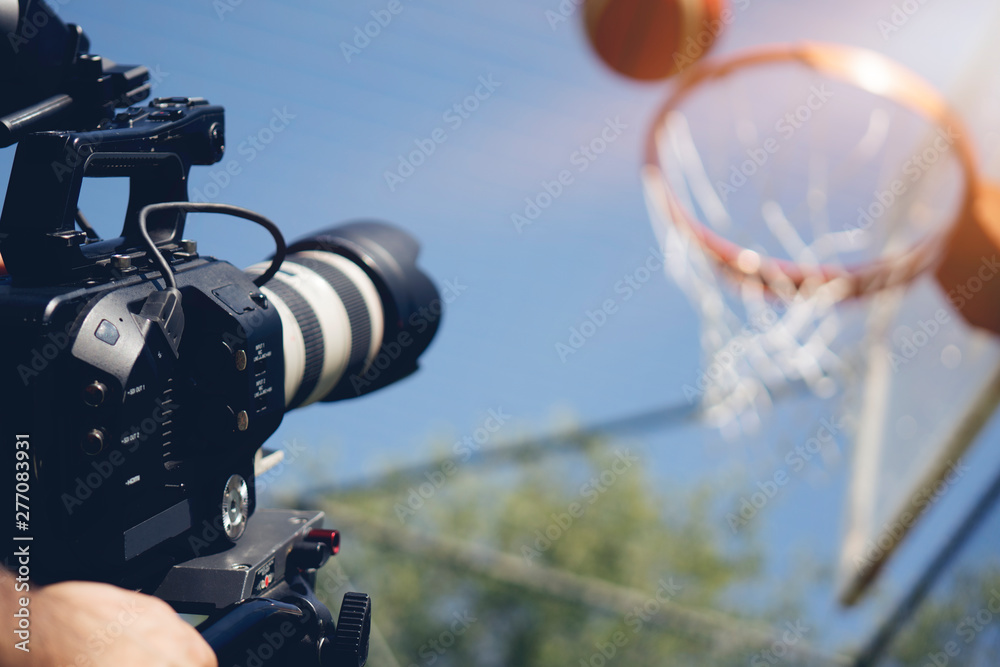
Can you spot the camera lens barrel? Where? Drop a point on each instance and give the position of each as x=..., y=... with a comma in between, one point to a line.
x=356, y=311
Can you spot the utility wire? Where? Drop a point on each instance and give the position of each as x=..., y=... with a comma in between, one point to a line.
x=532, y=448
x=526, y=449
x=715, y=627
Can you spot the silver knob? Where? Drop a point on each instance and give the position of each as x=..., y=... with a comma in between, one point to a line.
x=235, y=507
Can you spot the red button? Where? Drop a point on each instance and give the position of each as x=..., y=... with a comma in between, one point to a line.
x=330, y=538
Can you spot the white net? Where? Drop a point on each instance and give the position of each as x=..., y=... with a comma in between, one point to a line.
x=842, y=179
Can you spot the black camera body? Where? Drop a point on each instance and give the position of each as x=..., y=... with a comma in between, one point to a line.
x=145, y=406
x=144, y=403
x=134, y=441
x=140, y=379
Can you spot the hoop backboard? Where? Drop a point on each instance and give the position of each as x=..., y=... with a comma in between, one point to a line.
x=932, y=381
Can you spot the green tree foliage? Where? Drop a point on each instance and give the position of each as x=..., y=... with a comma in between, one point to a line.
x=959, y=626
x=591, y=515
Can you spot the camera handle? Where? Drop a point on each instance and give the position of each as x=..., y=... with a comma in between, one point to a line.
x=298, y=627
x=154, y=146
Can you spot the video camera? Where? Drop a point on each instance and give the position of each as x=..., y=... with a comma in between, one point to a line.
x=142, y=378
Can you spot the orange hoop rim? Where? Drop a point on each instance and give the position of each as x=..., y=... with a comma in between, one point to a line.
x=865, y=69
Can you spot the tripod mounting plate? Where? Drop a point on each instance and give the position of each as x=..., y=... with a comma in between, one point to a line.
x=248, y=568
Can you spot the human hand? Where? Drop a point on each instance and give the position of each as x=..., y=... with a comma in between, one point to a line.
x=88, y=624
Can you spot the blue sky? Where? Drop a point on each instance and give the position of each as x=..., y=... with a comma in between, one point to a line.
x=348, y=115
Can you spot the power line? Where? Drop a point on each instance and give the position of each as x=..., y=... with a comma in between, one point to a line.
x=664, y=417
x=526, y=449
x=713, y=626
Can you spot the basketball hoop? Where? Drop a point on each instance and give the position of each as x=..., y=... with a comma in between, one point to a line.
x=785, y=184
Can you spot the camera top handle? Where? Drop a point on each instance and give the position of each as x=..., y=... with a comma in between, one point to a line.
x=48, y=79
x=154, y=146
x=58, y=101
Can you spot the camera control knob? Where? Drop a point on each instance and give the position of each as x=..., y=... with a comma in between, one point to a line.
x=349, y=645
x=93, y=442
x=235, y=507
x=95, y=393
x=331, y=538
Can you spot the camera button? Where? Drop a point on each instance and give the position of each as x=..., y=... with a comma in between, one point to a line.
x=95, y=393
x=107, y=332
x=93, y=442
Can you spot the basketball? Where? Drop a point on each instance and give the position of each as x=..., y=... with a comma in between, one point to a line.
x=973, y=247
x=649, y=40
